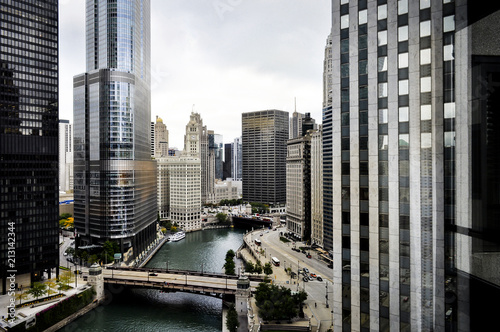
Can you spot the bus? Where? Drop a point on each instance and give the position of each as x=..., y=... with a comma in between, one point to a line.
x=258, y=242
x=276, y=261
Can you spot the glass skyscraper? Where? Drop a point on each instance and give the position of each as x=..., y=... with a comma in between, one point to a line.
x=114, y=176
x=29, y=193
x=411, y=157
x=263, y=145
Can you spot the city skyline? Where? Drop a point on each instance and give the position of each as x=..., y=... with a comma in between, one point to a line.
x=217, y=55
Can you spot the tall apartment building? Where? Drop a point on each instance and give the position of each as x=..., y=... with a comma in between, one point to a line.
x=29, y=188
x=236, y=160
x=295, y=129
x=264, y=137
x=317, y=187
x=414, y=159
x=160, y=139
x=196, y=143
x=65, y=156
x=298, y=187
x=115, y=178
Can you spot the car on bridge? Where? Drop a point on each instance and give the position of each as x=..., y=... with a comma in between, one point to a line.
x=153, y=274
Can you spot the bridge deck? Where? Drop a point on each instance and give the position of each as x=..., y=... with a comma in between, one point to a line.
x=184, y=281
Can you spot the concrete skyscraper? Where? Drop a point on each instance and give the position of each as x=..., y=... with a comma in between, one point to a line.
x=264, y=137
x=411, y=145
x=114, y=176
x=196, y=143
x=295, y=129
x=160, y=139
x=29, y=110
x=236, y=160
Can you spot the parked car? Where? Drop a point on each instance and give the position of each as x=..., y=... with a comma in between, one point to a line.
x=306, y=270
x=318, y=277
x=305, y=279
x=313, y=275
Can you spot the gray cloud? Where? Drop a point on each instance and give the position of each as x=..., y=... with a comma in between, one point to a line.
x=224, y=56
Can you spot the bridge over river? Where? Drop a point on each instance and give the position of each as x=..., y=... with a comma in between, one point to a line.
x=198, y=282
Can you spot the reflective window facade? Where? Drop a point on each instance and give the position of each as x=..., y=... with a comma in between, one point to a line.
x=413, y=195
x=114, y=176
x=29, y=190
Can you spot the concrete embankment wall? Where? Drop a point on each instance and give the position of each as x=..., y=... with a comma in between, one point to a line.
x=73, y=317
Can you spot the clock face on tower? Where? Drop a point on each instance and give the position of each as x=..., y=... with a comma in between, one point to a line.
x=193, y=136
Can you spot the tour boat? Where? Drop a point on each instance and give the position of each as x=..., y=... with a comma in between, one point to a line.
x=177, y=236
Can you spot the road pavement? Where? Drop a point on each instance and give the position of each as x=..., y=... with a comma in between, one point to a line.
x=320, y=299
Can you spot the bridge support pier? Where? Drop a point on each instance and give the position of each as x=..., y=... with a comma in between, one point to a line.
x=96, y=280
x=242, y=296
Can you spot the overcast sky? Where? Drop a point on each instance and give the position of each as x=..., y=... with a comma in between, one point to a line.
x=225, y=57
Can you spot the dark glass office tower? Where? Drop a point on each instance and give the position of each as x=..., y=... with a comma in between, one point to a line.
x=415, y=187
x=264, y=138
x=227, y=161
x=114, y=176
x=29, y=193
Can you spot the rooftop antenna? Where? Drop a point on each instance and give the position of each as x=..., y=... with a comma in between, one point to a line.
x=295, y=98
x=192, y=109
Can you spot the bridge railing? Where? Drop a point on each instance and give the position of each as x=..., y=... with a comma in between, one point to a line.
x=184, y=272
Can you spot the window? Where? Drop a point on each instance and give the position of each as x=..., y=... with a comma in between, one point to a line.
x=382, y=115
x=382, y=38
x=425, y=28
x=449, y=23
x=402, y=7
x=403, y=33
x=363, y=17
x=404, y=141
x=344, y=21
x=425, y=56
x=425, y=84
x=382, y=90
x=403, y=60
x=425, y=112
x=403, y=114
x=382, y=12
x=363, y=67
x=425, y=4
x=382, y=63
x=449, y=110
x=425, y=140
x=344, y=70
x=448, y=53
x=383, y=142
x=403, y=87
x=449, y=139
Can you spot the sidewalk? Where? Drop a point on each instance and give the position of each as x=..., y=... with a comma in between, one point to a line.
x=24, y=313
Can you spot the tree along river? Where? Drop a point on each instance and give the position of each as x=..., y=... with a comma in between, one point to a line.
x=151, y=310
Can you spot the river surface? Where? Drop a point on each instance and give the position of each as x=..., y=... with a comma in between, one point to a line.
x=150, y=310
